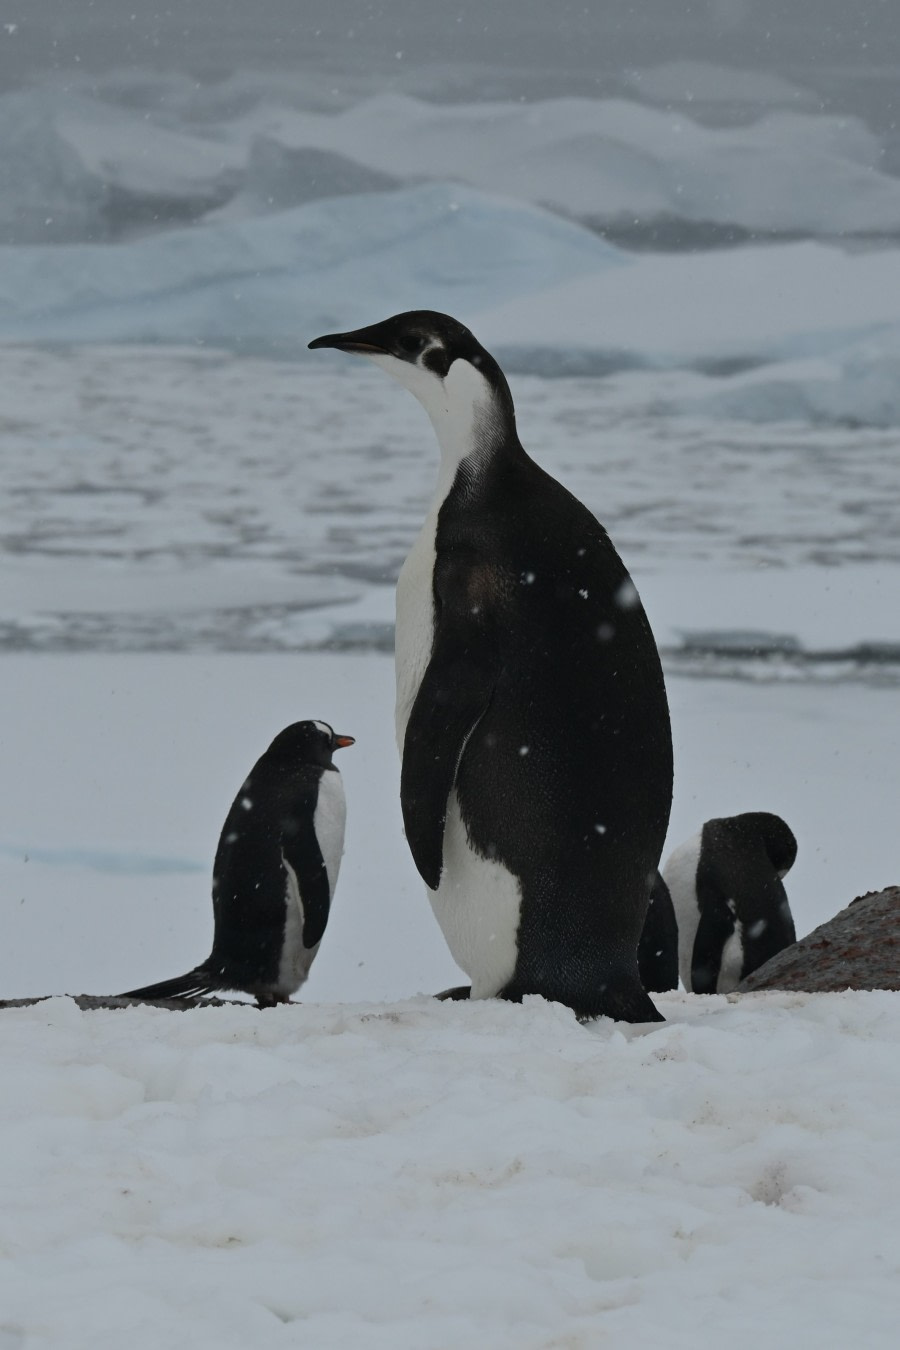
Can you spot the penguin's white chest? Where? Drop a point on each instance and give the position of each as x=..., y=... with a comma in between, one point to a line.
x=328, y=823
x=731, y=965
x=477, y=905
x=680, y=875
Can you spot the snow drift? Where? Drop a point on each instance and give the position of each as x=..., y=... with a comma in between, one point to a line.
x=418, y=1176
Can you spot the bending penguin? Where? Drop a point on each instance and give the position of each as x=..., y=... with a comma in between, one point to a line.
x=531, y=711
x=732, y=910
x=275, y=872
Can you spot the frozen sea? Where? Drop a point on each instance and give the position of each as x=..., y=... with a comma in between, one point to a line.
x=686, y=255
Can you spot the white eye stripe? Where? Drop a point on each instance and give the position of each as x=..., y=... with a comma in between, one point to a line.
x=324, y=728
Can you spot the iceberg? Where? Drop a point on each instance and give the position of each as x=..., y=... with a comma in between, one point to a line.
x=92, y=162
x=75, y=169
x=275, y=281
x=614, y=160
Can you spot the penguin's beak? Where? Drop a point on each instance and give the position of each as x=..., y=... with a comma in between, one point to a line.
x=340, y=742
x=366, y=341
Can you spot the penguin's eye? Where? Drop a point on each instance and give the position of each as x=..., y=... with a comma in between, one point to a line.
x=411, y=342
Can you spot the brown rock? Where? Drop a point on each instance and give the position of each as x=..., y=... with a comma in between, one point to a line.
x=858, y=949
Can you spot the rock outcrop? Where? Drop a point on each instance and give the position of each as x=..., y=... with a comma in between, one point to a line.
x=858, y=949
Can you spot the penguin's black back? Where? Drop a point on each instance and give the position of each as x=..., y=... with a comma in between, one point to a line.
x=273, y=815
x=567, y=777
x=270, y=828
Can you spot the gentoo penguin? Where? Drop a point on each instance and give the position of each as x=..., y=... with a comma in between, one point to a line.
x=731, y=907
x=658, y=947
x=275, y=872
x=531, y=712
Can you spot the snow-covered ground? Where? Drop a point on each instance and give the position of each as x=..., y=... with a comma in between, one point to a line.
x=423, y=1177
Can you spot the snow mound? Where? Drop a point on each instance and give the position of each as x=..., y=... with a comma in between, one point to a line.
x=417, y=1175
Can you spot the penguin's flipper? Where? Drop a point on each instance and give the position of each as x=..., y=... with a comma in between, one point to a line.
x=302, y=856
x=452, y=699
x=197, y=983
x=658, y=947
x=713, y=931
x=456, y=689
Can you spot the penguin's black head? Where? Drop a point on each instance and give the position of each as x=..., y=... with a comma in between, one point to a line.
x=755, y=830
x=307, y=743
x=778, y=840
x=421, y=338
x=434, y=356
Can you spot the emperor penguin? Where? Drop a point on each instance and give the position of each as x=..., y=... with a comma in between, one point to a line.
x=275, y=871
x=531, y=711
x=730, y=903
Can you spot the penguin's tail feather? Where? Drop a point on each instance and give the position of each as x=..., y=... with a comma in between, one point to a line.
x=197, y=983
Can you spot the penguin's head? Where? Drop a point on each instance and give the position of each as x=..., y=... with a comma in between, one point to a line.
x=307, y=743
x=774, y=835
x=439, y=361
x=781, y=843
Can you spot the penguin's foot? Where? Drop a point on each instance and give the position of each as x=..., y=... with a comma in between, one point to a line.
x=619, y=997
x=271, y=1000
x=460, y=992
x=623, y=1002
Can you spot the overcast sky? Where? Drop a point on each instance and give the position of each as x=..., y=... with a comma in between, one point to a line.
x=210, y=36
